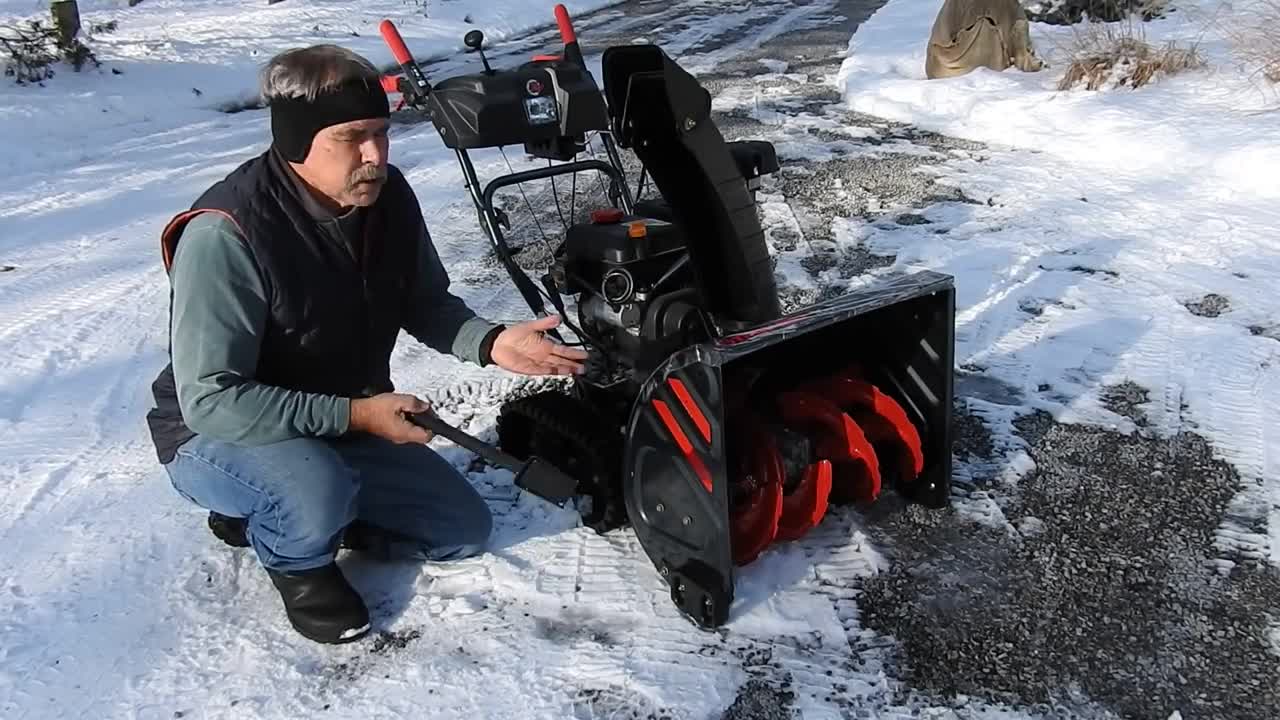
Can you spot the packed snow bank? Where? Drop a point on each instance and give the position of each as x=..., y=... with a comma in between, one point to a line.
x=173, y=62
x=1209, y=125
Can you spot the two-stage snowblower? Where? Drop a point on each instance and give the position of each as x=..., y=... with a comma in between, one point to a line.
x=708, y=420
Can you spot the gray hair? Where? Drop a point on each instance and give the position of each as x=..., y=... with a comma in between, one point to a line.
x=307, y=72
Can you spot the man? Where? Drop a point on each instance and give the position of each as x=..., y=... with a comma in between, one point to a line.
x=290, y=281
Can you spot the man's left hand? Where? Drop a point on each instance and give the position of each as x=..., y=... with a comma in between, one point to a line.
x=526, y=349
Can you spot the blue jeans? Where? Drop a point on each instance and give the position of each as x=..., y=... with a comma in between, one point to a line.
x=299, y=495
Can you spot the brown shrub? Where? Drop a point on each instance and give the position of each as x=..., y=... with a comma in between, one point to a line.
x=1119, y=52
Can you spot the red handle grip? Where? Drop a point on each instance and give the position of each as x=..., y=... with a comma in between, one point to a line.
x=392, y=37
x=567, y=35
x=390, y=84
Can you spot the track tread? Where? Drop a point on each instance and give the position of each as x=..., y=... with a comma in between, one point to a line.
x=527, y=425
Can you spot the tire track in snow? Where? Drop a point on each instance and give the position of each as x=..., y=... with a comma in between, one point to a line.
x=834, y=667
x=50, y=430
x=79, y=342
x=755, y=27
x=41, y=356
x=41, y=297
x=95, y=497
x=1238, y=382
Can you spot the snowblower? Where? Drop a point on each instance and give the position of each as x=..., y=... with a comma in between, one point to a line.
x=708, y=420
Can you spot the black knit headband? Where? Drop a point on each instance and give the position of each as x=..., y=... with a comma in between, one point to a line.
x=295, y=121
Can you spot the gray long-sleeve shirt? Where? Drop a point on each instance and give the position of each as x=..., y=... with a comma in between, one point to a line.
x=220, y=309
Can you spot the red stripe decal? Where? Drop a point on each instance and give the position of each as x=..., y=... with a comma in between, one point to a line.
x=695, y=412
x=701, y=470
x=669, y=420
x=682, y=440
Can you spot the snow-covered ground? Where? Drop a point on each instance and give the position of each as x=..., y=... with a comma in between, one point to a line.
x=1135, y=238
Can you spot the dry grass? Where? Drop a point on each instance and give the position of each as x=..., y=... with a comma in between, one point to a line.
x=1118, y=53
x=1256, y=39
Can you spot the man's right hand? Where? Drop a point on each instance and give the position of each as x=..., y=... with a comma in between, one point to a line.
x=384, y=415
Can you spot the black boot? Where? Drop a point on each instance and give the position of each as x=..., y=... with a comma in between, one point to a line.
x=230, y=530
x=359, y=536
x=371, y=541
x=321, y=604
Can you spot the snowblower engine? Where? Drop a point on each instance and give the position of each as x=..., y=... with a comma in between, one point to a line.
x=708, y=420
x=629, y=273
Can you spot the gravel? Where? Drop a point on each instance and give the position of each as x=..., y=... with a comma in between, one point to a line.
x=759, y=700
x=1211, y=305
x=1107, y=589
x=1126, y=399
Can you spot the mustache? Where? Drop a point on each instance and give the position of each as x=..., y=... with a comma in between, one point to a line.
x=366, y=173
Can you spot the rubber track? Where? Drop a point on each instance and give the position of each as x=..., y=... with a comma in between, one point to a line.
x=570, y=420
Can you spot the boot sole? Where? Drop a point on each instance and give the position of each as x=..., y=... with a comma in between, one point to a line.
x=347, y=636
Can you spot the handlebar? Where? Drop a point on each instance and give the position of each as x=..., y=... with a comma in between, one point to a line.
x=567, y=34
x=391, y=36
x=416, y=87
x=572, y=51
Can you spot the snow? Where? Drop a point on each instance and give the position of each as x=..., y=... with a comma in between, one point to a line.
x=1079, y=270
x=1074, y=271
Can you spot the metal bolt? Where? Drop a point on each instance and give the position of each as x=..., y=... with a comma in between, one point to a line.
x=686, y=520
x=690, y=123
x=660, y=507
x=663, y=571
x=680, y=587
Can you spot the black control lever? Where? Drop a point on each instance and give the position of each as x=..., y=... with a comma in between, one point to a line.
x=475, y=41
x=535, y=475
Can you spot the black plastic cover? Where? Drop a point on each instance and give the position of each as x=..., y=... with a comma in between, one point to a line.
x=610, y=243
x=754, y=157
x=491, y=110
x=661, y=111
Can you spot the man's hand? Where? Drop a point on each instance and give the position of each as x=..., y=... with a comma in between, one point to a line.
x=525, y=348
x=384, y=415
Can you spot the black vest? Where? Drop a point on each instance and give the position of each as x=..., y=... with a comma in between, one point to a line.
x=334, y=319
